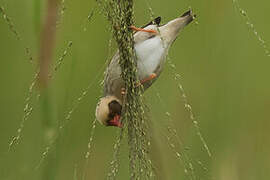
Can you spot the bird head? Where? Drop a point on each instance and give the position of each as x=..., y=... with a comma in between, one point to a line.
x=108, y=111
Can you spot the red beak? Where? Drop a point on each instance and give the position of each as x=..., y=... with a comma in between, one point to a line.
x=115, y=121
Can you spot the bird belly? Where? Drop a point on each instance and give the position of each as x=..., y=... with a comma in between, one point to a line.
x=150, y=54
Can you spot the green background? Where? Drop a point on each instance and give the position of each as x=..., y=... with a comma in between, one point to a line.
x=224, y=71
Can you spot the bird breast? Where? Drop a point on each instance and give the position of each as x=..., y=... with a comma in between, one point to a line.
x=150, y=56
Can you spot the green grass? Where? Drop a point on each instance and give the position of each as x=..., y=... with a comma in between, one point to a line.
x=224, y=72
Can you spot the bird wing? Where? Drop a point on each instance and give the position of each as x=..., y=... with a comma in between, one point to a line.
x=113, y=81
x=155, y=21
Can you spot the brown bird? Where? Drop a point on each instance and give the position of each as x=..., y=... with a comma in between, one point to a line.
x=151, y=44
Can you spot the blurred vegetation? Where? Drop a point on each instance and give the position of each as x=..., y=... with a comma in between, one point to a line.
x=223, y=70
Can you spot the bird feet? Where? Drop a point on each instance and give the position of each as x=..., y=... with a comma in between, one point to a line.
x=149, y=78
x=144, y=30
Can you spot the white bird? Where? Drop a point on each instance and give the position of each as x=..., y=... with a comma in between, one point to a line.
x=151, y=44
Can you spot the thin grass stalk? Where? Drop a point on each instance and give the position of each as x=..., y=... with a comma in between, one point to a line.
x=120, y=15
x=47, y=44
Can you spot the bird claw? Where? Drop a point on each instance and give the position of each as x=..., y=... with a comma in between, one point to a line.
x=138, y=84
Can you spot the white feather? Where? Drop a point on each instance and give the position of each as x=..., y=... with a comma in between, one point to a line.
x=150, y=54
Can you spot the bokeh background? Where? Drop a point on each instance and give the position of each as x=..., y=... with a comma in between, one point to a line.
x=224, y=71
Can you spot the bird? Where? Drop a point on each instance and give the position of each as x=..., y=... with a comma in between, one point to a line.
x=151, y=44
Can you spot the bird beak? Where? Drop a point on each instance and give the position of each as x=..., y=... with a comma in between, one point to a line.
x=115, y=121
x=170, y=31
